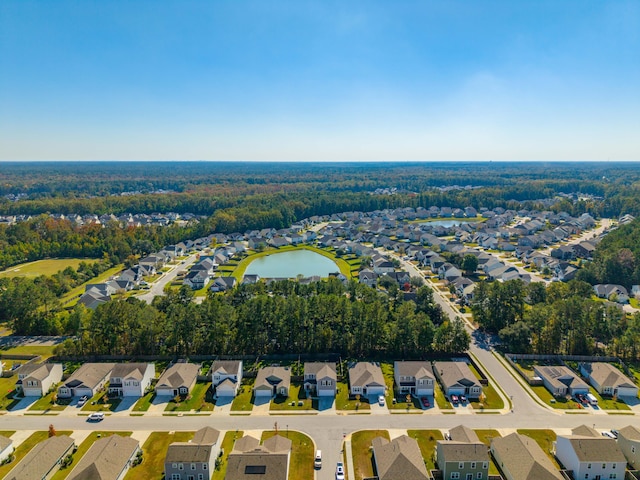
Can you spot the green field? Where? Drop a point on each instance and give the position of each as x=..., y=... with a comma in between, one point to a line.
x=70, y=298
x=43, y=267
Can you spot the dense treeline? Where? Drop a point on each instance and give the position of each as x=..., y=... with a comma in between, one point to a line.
x=616, y=258
x=562, y=318
x=32, y=305
x=321, y=317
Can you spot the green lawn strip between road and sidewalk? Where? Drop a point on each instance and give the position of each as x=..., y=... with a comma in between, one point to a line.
x=362, y=454
x=82, y=449
x=427, y=442
x=153, y=452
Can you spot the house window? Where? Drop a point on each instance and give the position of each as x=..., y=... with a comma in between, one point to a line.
x=204, y=466
x=200, y=476
x=612, y=475
x=604, y=465
x=473, y=465
x=479, y=476
x=586, y=475
x=460, y=465
x=633, y=449
x=190, y=477
x=175, y=476
x=485, y=465
x=180, y=466
x=455, y=475
x=174, y=465
x=588, y=465
x=193, y=466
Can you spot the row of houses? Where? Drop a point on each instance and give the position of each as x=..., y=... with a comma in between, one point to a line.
x=125, y=220
x=605, y=378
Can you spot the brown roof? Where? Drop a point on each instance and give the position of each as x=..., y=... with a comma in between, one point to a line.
x=4, y=442
x=413, y=369
x=106, y=459
x=320, y=369
x=129, y=370
x=250, y=461
x=585, y=431
x=269, y=376
x=399, y=459
x=179, y=375
x=463, y=434
x=523, y=458
x=365, y=373
x=226, y=366
x=455, y=374
x=42, y=458
x=197, y=450
x=463, y=452
x=89, y=374
x=39, y=371
x=630, y=432
x=607, y=375
x=600, y=449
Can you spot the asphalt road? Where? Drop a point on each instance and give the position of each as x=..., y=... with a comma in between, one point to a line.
x=157, y=287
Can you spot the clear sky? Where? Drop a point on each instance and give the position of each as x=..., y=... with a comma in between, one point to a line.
x=321, y=80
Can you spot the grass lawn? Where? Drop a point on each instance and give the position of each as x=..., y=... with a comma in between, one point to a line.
x=153, y=453
x=7, y=386
x=296, y=394
x=491, y=399
x=362, y=456
x=227, y=446
x=50, y=266
x=144, y=403
x=25, y=447
x=302, y=454
x=242, y=402
x=608, y=403
x=485, y=437
x=44, y=351
x=344, y=403
x=558, y=403
x=200, y=400
x=443, y=403
x=82, y=449
x=70, y=298
x=427, y=442
x=46, y=403
x=97, y=403
x=545, y=439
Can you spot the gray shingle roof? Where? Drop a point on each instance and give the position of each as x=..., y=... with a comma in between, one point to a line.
x=399, y=459
x=42, y=458
x=179, y=375
x=89, y=374
x=523, y=458
x=106, y=459
x=365, y=373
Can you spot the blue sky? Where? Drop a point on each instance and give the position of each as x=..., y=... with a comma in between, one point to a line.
x=325, y=80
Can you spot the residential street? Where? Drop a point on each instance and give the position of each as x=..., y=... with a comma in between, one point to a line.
x=157, y=288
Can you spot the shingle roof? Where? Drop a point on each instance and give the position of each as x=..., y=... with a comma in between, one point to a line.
x=523, y=458
x=607, y=375
x=269, y=376
x=225, y=366
x=179, y=375
x=129, y=370
x=399, y=459
x=365, y=373
x=463, y=451
x=250, y=461
x=630, y=432
x=600, y=449
x=560, y=376
x=89, y=375
x=42, y=458
x=106, y=459
x=197, y=450
x=455, y=374
x=4, y=442
x=413, y=369
x=463, y=434
x=38, y=371
x=320, y=369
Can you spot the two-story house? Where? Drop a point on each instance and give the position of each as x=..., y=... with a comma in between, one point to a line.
x=194, y=460
x=463, y=457
x=591, y=457
x=398, y=459
x=629, y=443
x=226, y=376
x=36, y=379
x=131, y=379
x=320, y=379
x=415, y=378
x=272, y=381
x=365, y=378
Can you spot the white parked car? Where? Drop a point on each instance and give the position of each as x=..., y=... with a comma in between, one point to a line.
x=82, y=400
x=381, y=400
x=340, y=471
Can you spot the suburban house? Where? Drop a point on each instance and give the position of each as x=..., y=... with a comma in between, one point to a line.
x=108, y=459
x=463, y=457
x=629, y=443
x=226, y=376
x=591, y=457
x=197, y=279
x=44, y=459
x=457, y=378
x=6, y=448
x=272, y=381
x=320, y=379
x=131, y=379
x=87, y=380
x=415, y=378
x=608, y=380
x=560, y=380
x=520, y=458
x=193, y=460
x=610, y=291
x=222, y=284
x=249, y=460
x=178, y=379
x=365, y=378
x=36, y=379
x=398, y=459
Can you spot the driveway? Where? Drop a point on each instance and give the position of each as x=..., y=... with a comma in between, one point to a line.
x=223, y=405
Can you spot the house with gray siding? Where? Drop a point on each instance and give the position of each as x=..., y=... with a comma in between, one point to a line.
x=193, y=460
